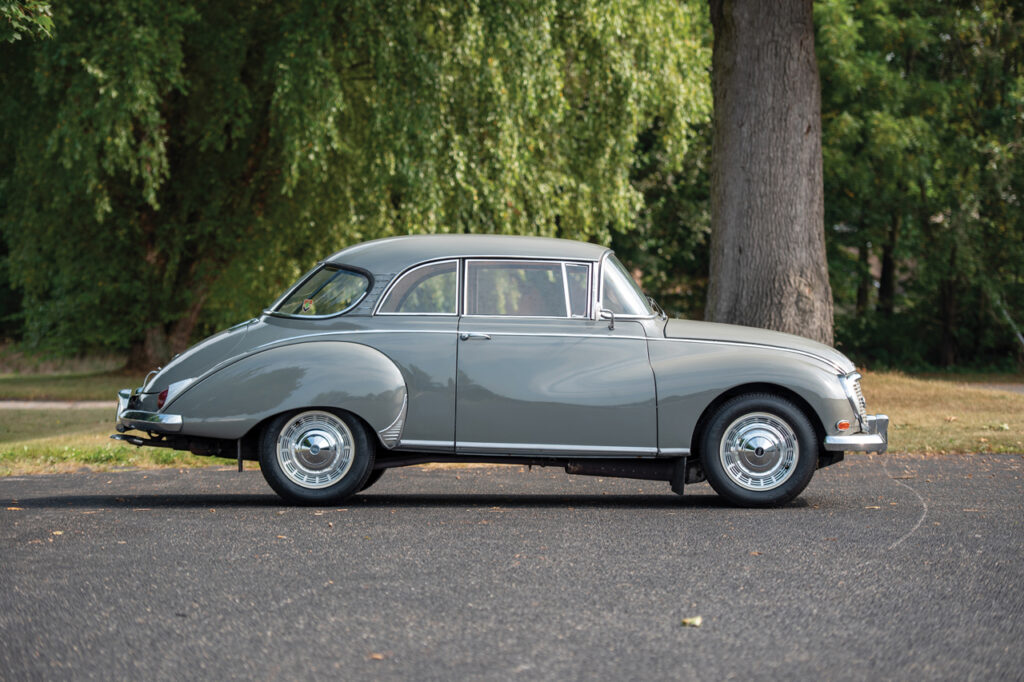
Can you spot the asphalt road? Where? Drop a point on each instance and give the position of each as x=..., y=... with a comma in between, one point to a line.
x=887, y=567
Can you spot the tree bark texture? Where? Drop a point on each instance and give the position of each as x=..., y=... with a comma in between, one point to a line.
x=768, y=262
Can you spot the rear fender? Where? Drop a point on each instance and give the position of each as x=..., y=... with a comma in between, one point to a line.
x=230, y=401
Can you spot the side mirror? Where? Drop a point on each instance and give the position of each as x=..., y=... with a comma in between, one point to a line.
x=608, y=315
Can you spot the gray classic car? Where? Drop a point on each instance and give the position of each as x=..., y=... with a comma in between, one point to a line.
x=469, y=348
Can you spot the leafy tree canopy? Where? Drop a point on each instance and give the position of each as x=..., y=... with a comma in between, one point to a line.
x=176, y=163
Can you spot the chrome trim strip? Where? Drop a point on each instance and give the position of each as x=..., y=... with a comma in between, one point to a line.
x=391, y=434
x=401, y=275
x=150, y=421
x=565, y=292
x=431, y=444
x=544, y=447
x=673, y=451
x=750, y=344
x=741, y=344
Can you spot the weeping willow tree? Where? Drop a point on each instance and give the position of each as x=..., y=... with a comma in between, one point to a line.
x=171, y=165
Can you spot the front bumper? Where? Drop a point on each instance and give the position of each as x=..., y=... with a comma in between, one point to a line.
x=873, y=438
x=141, y=420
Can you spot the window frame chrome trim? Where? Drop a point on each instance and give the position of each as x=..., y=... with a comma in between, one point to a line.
x=600, y=299
x=370, y=282
x=391, y=285
x=565, y=293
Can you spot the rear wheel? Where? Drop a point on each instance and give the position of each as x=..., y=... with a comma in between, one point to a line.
x=759, y=450
x=315, y=456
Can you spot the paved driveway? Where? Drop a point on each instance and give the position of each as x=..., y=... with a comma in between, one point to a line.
x=896, y=567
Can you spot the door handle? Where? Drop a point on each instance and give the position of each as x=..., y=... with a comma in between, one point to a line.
x=469, y=336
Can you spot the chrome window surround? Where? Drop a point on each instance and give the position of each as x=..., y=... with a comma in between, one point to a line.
x=600, y=298
x=565, y=281
x=271, y=310
x=546, y=261
x=409, y=271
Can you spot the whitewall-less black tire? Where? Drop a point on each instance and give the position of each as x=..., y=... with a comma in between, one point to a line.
x=315, y=456
x=759, y=450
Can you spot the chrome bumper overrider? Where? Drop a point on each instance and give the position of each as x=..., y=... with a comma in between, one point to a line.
x=874, y=437
x=154, y=422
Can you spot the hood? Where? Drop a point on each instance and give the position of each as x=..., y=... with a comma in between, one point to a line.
x=753, y=336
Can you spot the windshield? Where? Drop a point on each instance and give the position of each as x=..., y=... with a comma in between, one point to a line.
x=620, y=294
x=328, y=291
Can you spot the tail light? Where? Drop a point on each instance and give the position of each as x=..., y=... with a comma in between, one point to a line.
x=161, y=399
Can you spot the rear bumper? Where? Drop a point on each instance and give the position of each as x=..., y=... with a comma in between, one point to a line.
x=874, y=437
x=141, y=420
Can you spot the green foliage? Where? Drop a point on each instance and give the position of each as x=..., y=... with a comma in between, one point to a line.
x=176, y=164
x=20, y=18
x=171, y=166
x=922, y=128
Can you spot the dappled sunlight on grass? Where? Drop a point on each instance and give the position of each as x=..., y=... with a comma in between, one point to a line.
x=946, y=416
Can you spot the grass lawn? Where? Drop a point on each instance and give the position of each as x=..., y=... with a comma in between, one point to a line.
x=49, y=441
x=89, y=386
x=929, y=416
x=947, y=416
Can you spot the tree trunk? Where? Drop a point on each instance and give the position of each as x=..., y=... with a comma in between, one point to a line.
x=159, y=346
x=151, y=352
x=768, y=263
x=887, y=279
x=864, y=283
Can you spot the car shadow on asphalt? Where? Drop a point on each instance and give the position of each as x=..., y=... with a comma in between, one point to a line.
x=377, y=501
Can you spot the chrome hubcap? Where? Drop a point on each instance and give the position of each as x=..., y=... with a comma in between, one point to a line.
x=315, y=449
x=759, y=451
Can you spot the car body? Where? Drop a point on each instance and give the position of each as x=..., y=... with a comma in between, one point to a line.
x=501, y=349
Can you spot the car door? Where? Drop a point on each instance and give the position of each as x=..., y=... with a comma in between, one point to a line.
x=537, y=373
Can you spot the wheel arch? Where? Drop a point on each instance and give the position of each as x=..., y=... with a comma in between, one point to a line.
x=251, y=438
x=756, y=387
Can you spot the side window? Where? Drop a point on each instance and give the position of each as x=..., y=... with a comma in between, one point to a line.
x=515, y=288
x=619, y=292
x=427, y=290
x=329, y=290
x=577, y=278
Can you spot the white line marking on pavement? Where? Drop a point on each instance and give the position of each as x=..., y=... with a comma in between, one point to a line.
x=924, y=505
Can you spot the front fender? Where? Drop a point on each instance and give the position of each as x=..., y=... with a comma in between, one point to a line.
x=228, y=402
x=691, y=376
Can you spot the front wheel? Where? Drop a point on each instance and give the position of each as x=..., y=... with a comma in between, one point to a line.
x=315, y=456
x=759, y=450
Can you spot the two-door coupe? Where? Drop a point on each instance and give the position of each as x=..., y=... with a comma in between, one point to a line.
x=462, y=348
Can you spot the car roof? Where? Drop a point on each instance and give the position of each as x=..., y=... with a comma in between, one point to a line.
x=393, y=254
